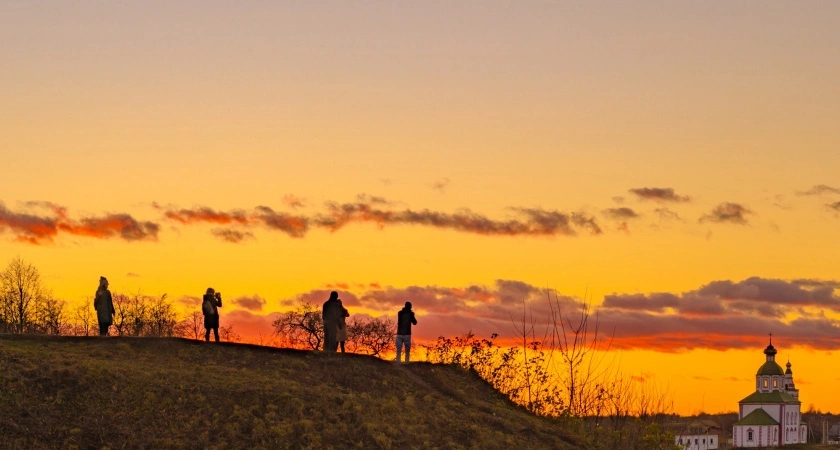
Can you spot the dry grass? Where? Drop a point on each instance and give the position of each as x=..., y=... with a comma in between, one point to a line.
x=76, y=392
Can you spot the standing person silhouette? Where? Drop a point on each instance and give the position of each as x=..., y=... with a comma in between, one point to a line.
x=330, y=314
x=405, y=319
x=341, y=335
x=104, y=306
x=210, y=308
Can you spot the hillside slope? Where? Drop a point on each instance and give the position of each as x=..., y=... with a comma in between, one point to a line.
x=74, y=392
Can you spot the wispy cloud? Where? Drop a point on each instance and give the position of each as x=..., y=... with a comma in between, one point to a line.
x=666, y=214
x=441, y=185
x=527, y=221
x=620, y=213
x=819, y=189
x=835, y=206
x=728, y=213
x=660, y=194
x=291, y=224
x=293, y=202
x=206, y=215
x=251, y=303
x=231, y=235
x=44, y=228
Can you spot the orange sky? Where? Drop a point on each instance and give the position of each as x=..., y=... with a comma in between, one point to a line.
x=674, y=163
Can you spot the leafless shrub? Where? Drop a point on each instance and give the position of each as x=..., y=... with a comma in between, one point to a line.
x=302, y=327
x=374, y=336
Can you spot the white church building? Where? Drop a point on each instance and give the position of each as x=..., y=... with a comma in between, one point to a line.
x=771, y=415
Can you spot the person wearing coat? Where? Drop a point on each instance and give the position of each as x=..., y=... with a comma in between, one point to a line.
x=341, y=336
x=104, y=306
x=210, y=308
x=330, y=314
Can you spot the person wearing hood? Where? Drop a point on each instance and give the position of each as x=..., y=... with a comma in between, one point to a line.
x=405, y=319
x=210, y=308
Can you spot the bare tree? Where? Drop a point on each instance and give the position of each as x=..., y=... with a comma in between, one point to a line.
x=142, y=315
x=20, y=289
x=301, y=328
x=50, y=316
x=84, y=318
x=161, y=317
x=374, y=336
x=227, y=334
x=191, y=327
x=584, y=366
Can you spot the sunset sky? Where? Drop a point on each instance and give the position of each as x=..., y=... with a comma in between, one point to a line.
x=675, y=163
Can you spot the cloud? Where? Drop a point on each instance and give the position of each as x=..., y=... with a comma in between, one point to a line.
x=293, y=225
x=819, y=189
x=666, y=214
x=529, y=221
x=728, y=213
x=231, y=235
x=720, y=315
x=835, y=206
x=132, y=275
x=774, y=291
x=441, y=185
x=293, y=202
x=38, y=229
x=112, y=225
x=622, y=213
x=252, y=303
x=383, y=212
x=205, y=215
x=189, y=300
x=660, y=195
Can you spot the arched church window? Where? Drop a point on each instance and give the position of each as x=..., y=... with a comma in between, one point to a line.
x=775, y=383
x=749, y=436
x=765, y=382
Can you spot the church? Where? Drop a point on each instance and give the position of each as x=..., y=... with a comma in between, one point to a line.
x=771, y=415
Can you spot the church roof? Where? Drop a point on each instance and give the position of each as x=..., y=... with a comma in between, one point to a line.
x=775, y=397
x=757, y=417
x=770, y=368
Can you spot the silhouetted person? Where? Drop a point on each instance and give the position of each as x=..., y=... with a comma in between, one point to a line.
x=104, y=306
x=331, y=313
x=210, y=308
x=341, y=335
x=405, y=319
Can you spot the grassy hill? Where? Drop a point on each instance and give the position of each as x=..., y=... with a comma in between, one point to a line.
x=77, y=392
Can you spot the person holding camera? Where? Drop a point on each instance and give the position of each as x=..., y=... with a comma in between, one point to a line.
x=210, y=307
